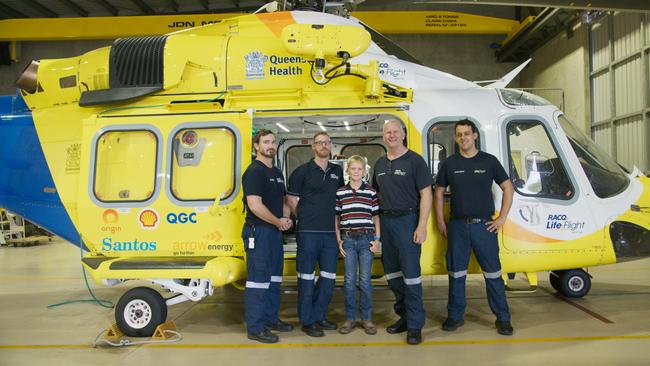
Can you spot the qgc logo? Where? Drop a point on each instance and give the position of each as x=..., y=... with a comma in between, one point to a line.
x=181, y=218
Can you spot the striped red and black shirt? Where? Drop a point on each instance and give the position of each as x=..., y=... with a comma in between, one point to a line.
x=356, y=207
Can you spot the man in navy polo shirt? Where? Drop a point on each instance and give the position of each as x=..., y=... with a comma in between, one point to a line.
x=403, y=181
x=312, y=190
x=267, y=216
x=470, y=175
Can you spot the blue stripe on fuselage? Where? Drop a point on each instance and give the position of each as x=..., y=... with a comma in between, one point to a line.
x=26, y=184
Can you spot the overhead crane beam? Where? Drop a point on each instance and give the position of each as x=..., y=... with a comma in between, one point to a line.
x=612, y=5
x=403, y=22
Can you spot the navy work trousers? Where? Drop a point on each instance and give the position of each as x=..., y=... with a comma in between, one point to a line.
x=401, y=260
x=462, y=237
x=315, y=293
x=264, y=264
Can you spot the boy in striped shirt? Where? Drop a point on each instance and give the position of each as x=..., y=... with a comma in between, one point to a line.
x=357, y=232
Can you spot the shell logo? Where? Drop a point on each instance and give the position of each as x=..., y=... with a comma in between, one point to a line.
x=148, y=218
x=110, y=216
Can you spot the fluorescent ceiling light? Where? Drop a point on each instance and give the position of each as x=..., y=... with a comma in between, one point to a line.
x=321, y=126
x=282, y=127
x=347, y=126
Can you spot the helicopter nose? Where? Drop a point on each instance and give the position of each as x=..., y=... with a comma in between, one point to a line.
x=630, y=241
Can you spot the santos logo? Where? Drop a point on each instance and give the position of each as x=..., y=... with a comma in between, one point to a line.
x=108, y=245
x=181, y=218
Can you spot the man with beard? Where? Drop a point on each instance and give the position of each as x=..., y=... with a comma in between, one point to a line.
x=312, y=189
x=402, y=179
x=267, y=215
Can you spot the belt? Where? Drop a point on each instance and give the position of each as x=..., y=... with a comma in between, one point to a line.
x=398, y=213
x=470, y=220
x=361, y=232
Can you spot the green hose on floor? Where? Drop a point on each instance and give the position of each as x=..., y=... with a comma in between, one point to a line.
x=104, y=303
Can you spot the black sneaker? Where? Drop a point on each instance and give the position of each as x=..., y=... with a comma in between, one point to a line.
x=280, y=326
x=451, y=325
x=504, y=328
x=264, y=336
x=398, y=327
x=326, y=324
x=313, y=330
x=414, y=336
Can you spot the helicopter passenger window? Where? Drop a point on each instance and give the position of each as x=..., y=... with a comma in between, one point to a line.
x=296, y=156
x=122, y=154
x=441, y=143
x=203, y=164
x=536, y=168
x=372, y=152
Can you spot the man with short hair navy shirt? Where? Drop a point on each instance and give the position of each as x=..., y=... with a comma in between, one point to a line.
x=403, y=182
x=266, y=217
x=312, y=194
x=470, y=174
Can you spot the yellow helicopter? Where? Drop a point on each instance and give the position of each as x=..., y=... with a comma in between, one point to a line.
x=135, y=152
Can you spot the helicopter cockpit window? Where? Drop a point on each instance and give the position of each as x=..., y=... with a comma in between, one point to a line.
x=441, y=144
x=120, y=154
x=606, y=177
x=203, y=164
x=536, y=169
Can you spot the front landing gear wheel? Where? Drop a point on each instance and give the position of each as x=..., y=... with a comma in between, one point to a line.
x=574, y=283
x=140, y=311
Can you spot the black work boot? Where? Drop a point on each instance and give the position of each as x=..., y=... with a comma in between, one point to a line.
x=398, y=327
x=313, y=330
x=504, y=327
x=326, y=324
x=264, y=336
x=414, y=336
x=451, y=325
x=280, y=326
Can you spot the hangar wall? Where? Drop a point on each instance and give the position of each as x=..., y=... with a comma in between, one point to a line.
x=562, y=64
x=620, y=84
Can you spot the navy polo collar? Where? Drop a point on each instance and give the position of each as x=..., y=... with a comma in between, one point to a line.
x=313, y=164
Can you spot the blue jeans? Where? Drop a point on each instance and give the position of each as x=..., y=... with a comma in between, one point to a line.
x=401, y=260
x=357, y=252
x=462, y=238
x=315, y=293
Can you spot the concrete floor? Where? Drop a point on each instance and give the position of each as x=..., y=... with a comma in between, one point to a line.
x=610, y=326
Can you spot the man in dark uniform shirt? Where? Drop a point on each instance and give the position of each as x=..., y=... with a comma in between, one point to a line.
x=470, y=175
x=267, y=215
x=403, y=182
x=312, y=194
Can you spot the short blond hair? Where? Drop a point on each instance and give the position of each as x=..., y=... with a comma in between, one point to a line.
x=356, y=159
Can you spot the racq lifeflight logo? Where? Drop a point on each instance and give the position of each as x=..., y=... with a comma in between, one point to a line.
x=148, y=219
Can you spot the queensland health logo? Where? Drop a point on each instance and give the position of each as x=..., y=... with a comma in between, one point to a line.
x=255, y=61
